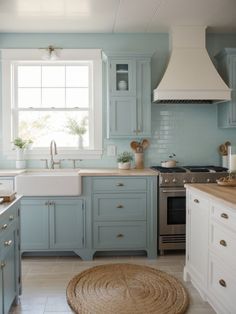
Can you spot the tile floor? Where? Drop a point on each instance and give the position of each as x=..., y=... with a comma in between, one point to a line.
x=45, y=280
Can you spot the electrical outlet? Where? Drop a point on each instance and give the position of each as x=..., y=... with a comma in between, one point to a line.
x=111, y=150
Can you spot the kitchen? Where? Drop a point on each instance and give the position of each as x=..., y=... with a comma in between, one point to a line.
x=188, y=130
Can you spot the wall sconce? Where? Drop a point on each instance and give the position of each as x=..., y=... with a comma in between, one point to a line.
x=50, y=53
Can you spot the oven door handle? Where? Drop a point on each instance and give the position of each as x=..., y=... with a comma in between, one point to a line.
x=173, y=191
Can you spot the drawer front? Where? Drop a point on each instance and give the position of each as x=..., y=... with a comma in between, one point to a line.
x=226, y=216
x=223, y=242
x=120, y=235
x=119, y=206
x=119, y=184
x=197, y=201
x=8, y=218
x=7, y=242
x=222, y=283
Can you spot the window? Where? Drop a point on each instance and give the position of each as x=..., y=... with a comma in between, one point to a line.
x=46, y=100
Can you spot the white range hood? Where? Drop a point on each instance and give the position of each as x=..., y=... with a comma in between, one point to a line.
x=190, y=75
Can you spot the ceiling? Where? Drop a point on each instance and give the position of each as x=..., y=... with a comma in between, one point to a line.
x=115, y=16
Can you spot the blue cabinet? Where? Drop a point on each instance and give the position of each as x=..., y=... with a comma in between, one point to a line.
x=52, y=224
x=124, y=214
x=227, y=68
x=10, y=274
x=128, y=95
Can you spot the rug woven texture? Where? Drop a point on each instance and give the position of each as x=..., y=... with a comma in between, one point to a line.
x=126, y=289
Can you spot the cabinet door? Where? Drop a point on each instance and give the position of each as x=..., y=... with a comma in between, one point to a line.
x=9, y=271
x=34, y=224
x=143, y=91
x=122, y=117
x=67, y=224
x=122, y=77
x=198, y=236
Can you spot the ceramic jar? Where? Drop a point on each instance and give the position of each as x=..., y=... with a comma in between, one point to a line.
x=122, y=85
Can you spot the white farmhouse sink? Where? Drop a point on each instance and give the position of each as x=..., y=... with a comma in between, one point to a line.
x=49, y=183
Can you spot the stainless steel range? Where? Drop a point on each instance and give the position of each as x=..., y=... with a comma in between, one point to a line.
x=172, y=200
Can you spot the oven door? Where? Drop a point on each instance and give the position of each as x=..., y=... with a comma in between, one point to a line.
x=172, y=210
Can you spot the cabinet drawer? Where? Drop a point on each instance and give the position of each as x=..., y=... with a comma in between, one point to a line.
x=226, y=216
x=197, y=201
x=8, y=218
x=120, y=235
x=223, y=242
x=222, y=283
x=119, y=184
x=119, y=206
x=7, y=242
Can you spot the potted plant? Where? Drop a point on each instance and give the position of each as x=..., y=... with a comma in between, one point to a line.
x=124, y=160
x=77, y=128
x=20, y=145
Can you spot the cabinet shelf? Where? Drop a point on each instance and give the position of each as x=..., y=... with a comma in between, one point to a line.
x=122, y=71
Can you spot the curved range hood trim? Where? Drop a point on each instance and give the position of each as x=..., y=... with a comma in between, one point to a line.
x=190, y=76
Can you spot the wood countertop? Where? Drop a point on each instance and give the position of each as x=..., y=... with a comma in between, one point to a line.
x=224, y=194
x=116, y=172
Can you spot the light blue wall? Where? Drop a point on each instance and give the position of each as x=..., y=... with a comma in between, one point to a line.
x=190, y=131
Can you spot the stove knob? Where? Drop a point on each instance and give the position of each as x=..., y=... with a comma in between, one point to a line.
x=193, y=180
x=174, y=180
x=167, y=181
x=208, y=180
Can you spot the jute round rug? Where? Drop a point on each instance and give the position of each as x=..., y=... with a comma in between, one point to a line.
x=126, y=289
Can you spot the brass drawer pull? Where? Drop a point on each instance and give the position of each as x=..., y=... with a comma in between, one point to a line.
x=8, y=243
x=224, y=215
x=120, y=184
x=222, y=283
x=196, y=200
x=223, y=243
x=119, y=206
x=120, y=235
x=4, y=227
x=11, y=217
x=3, y=264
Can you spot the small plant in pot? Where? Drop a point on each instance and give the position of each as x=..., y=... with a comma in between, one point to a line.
x=75, y=127
x=20, y=145
x=124, y=160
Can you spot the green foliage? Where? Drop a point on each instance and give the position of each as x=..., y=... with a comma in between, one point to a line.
x=22, y=144
x=77, y=128
x=125, y=157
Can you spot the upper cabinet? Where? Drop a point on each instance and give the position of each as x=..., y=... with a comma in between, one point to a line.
x=227, y=68
x=128, y=95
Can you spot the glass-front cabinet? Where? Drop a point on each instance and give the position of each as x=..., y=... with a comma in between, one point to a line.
x=122, y=74
x=128, y=95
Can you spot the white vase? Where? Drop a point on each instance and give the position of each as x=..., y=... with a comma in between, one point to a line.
x=19, y=154
x=122, y=85
x=124, y=165
x=80, y=141
x=20, y=164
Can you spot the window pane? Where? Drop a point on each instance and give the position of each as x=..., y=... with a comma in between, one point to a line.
x=77, y=97
x=77, y=76
x=29, y=76
x=53, y=76
x=42, y=127
x=29, y=97
x=53, y=97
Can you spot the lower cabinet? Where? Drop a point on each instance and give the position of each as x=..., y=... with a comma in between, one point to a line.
x=124, y=214
x=210, y=256
x=49, y=224
x=10, y=277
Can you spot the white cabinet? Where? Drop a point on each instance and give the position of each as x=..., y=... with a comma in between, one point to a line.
x=211, y=254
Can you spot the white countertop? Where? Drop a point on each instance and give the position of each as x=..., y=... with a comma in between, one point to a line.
x=4, y=206
x=10, y=172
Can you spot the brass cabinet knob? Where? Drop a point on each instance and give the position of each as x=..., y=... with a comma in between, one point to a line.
x=11, y=217
x=196, y=201
x=223, y=243
x=120, y=235
x=8, y=243
x=3, y=264
x=222, y=283
x=120, y=184
x=224, y=215
x=4, y=227
x=119, y=206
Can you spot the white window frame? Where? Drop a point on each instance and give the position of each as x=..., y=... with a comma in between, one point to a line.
x=11, y=56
